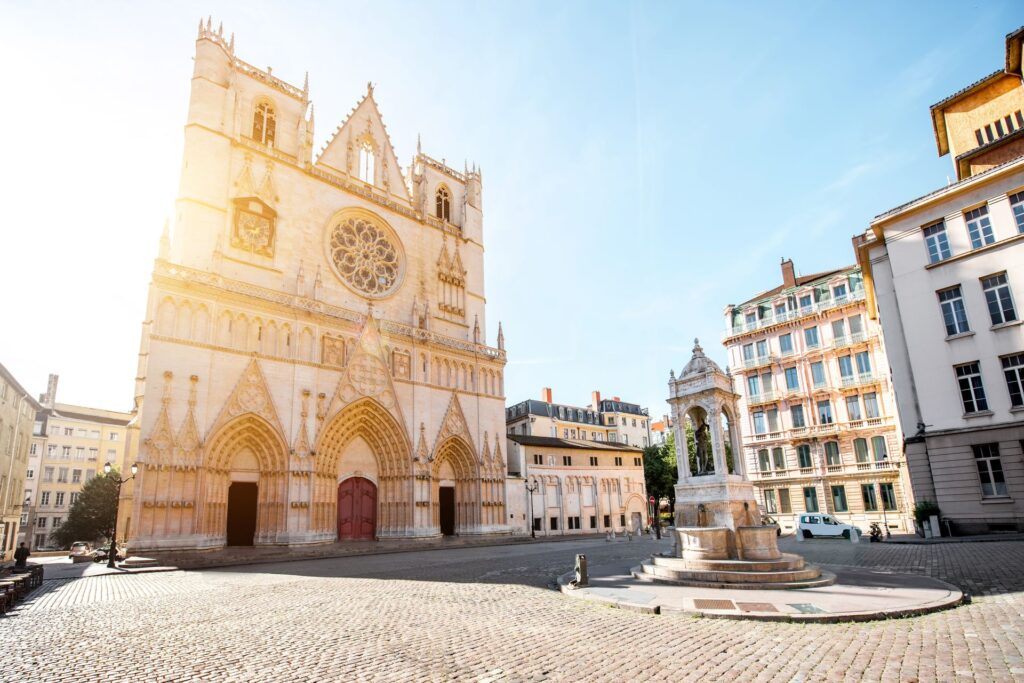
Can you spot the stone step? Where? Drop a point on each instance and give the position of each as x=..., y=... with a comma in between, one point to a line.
x=138, y=562
x=807, y=578
x=787, y=562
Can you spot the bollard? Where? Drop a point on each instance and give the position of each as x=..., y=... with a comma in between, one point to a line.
x=581, y=571
x=629, y=535
x=607, y=537
x=854, y=536
x=799, y=534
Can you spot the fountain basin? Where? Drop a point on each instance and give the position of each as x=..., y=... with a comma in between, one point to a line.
x=758, y=542
x=703, y=542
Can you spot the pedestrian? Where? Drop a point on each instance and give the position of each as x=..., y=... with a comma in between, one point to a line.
x=20, y=556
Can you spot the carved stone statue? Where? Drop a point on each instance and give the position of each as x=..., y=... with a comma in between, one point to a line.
x=705, y=460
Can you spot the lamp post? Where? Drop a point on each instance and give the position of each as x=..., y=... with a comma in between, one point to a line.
x=530, y=490
x=112, y=553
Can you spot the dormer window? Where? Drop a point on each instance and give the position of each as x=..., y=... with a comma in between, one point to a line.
x=443, y=204
x=264, y=124
x=366, y=163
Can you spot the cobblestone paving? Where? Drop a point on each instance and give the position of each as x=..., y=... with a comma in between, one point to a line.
x=487, y=615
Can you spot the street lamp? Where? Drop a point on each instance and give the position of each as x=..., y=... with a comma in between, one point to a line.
x=530, y=490
x=112, y=554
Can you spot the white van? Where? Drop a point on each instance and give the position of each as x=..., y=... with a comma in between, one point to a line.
x=824, y=525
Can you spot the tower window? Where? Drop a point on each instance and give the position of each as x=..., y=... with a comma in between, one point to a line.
x=366, y=163
x=443, y=204
x=264, y=124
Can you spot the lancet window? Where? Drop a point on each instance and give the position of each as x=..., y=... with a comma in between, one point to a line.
x=443, y=204
x=366, y=163
x=264, y=124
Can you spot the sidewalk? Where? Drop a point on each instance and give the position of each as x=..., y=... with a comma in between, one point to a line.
x=913, y=539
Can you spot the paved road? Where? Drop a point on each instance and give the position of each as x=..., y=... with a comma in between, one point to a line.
x=486, y=614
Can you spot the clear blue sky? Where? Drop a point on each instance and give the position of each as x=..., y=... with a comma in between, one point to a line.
x=644, y=163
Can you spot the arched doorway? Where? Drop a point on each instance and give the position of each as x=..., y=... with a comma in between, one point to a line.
x=357, y=509
x=456, y=488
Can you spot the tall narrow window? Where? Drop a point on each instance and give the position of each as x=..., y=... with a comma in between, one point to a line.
x=786, y=344
x=888, y=496
x=972, y=393
x=863, y=363
x=803, y=456
x=784, y=505
x=443, y=204
x=990, y=469
x=825, y=412
x=367, y=163
x=769, y=501
x=832, y=456
x=867, y=492
x=1013, y=369
x=999, y=299
x=860, y=449
x=779, y=458
x=954, y=315
x=938, y=243
x=871, y=405
x=853, y=407
x=792, y=379
x=845, y=367
x=762, y=460
x=264, y=124
x=878, y=448
x=818, y=374
x=811, y=337
x=979, y=227
x=810, y=499
x=839, y=499
x=1017, y=207
x=796, y=415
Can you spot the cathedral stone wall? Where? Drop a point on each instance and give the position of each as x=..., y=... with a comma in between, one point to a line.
x=313, y=363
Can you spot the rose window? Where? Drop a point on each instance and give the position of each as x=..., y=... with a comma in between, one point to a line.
x=364, y=257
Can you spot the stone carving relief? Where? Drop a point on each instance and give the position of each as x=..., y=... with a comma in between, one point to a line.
x=333, y=351
x=401, y=362
x=250, y=395
x=365, y=256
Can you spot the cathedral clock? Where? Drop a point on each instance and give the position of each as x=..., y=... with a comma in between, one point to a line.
x=254, y=227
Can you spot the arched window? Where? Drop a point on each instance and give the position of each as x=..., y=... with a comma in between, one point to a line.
x=443, y=204
x=264, y=124
x=366, y=163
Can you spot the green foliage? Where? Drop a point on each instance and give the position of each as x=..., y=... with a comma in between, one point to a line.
x=94, y=514
x=660, y=470
x=925, y=509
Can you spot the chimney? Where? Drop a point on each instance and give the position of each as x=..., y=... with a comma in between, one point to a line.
x=50, y=397
x=545, y=395
x=595, y=401
x=616, y=399
x=788, y=276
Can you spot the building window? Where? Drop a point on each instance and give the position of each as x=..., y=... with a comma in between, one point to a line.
x=264, y=124
x=796, y=414
x=845, y=367
x=33, y=448
x=112, y=436
x=825, y=412
x=785, y=507
x=51, y=450
x=76, y=476
x=860, y=450
x=810, y=499
x=972, y=393
x=867, y=492
x=832, y=456
x=65, y=451
x=593, y=521
x=62, y=475
x=1017, y=207
x=607, y=521
x=47, y=474
x=44, y=498
x=792, y=379
x=997, y=295
x=69, y=431
x=871, y=405
x=878, y=448
x=979, y=227
x=618, y=461
x=803, y=456
x=622, y=520
x=938, y=243
x=74, y=497
x=839, y=499
x=60, y=499
x=1013, y=369
x=443, y=204
x=538, y=459
x=990, y=469
x=806, y=302
x=818, y=374
x=759, y=427
x=853, y=407
x=954, y=315
x=763, y=461
x=554, y=523
x=567, y=460
x=769, y=502
x=574, y=522
x=863, y=363
x=366, y=163
x=41, y=522
x=786, y=344
x=637, y=462
x=29, y=474
x=888, y=496
x=753, y=385
x=593, y=461
x=537, y=521
x=811, y=337
x=773, y=419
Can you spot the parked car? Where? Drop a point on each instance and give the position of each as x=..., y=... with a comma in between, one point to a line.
x=768, y=520
x=79, y=548
x=101, y=554
x=824, y=525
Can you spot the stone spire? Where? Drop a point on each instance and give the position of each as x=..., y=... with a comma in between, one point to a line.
x=501, y=337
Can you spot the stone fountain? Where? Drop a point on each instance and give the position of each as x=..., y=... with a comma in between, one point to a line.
x=719, y=538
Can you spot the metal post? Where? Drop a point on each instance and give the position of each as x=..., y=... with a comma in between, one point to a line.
x=529, y=497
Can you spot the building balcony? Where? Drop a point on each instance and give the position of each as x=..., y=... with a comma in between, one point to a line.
x=762, y=398
x=789, y=316
x=758, y=362
x=850, y=340
x=843, y=468
x=862, y=380
x=826, y=429
x=770, y=436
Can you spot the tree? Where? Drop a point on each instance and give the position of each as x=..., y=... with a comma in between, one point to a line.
x=94, y=514
x=660, y=470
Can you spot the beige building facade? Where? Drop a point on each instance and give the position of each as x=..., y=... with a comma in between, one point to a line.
x=575, y=486
x=17, y=416
x=70, y=445
x=945, y=276
x=816, y=408
x=313, y=364
x=612, y=420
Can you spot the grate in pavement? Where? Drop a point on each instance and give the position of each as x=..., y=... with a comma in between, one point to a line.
x=703, y=603
x=807, y=608
x=756, y=607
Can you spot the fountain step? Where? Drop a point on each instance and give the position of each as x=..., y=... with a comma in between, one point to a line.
x=769, y=581
x=803, y=578
x=787, y=562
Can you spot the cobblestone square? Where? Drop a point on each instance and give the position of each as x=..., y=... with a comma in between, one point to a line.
x=489, y=614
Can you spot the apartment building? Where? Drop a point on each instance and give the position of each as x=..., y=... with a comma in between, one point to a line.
x=611, y=420
x=576, y=486
x=816, y=407
x=70, y=445
x=17, y=409
x=945, y=277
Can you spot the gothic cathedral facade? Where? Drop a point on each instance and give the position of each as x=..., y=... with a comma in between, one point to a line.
x=313, y=364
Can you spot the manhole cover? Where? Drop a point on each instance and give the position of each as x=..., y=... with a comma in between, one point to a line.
x=703, y=603
x=756, y=607
x=807, y=608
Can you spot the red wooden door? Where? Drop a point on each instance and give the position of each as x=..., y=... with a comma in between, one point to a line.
x=357, y=509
